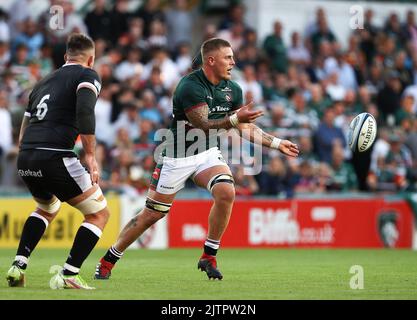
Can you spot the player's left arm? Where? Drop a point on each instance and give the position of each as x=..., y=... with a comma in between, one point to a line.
x=88, y=90
x=254, y=134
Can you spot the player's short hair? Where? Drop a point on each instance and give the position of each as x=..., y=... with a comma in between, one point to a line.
x=213, y=44
x=78, y=44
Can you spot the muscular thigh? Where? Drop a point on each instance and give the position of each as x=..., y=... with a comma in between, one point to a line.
x=204, y=177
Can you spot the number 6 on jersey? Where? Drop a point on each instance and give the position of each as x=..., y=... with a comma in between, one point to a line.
x=42, y=107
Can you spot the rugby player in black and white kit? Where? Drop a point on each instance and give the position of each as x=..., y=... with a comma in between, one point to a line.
x=61, y=107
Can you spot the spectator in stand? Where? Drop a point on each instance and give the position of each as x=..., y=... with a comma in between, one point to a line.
x=300, y=115
x=98, y=21
x=334, y=89
x=179, y=23
x=324, y=177
x=297, y=53
x=103, y=111
x=313, y=26
x=279, y=88
x=129, y=120
x=327, y=136
x=306, y=180
x=236, y=14
x=131, y=66
x=367, y=36
x=125, y=173
x=5, y=55
x=323, y=33
x=343, y=177
x=318, y=101
x=410, y=29
x=245, y=185
x=120, y=17
x=148, y=12
x=169, y=70
x=18, y=13
x=150, y=109
x=404, y=72
x=275, y=49
x=411, y=144
x=30, y=37
x=183, y=59
x=234, y=35
x=158, y=35
x=250, y=83
x=389, y=98
x=6, y=141
x=4, y=27
x=406, y=110
x=391, y=172
x=394, y=31
x=155, y=84
x=275, y=180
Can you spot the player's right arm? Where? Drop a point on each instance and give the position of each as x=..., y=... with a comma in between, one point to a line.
x=199, y=118
x=25, y=120
x=23, y=126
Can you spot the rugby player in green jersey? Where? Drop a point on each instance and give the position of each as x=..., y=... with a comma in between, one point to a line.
x=206, y=100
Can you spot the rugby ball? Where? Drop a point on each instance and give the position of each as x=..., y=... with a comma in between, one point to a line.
x=362, y=132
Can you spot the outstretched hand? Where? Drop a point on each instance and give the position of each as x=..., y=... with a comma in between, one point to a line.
x=247, y=115
x=288, y=148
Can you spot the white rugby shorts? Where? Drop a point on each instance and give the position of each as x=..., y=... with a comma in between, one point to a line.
x=170, y=174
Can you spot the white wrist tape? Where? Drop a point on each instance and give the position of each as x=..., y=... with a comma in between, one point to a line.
x=234, y=120
x=275, y=143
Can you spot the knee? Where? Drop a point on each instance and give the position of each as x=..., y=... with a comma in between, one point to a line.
x=48, y=216
x=100, y=218
x=152, y=216
x=224, y=195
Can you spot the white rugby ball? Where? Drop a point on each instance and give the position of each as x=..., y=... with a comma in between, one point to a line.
x=362, y=132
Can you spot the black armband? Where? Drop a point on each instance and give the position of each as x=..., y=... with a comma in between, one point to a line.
x=86, y=120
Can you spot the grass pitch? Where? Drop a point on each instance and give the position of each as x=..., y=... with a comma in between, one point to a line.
x=252, y=274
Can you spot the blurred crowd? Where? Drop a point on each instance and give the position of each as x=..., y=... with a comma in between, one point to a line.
x=310, y=89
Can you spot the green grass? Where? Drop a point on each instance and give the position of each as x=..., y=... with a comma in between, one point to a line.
x=269, y=274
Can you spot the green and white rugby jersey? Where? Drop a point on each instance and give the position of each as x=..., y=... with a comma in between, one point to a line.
x=196, y=91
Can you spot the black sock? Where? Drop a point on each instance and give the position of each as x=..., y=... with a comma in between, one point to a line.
x=211, y=247
x=85, y=241
x=113, y=255
x=32, y=232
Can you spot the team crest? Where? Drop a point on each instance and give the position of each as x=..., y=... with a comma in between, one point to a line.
x=228, y=97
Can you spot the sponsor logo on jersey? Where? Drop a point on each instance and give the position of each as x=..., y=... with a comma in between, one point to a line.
x=227, y=89
x=220, y=109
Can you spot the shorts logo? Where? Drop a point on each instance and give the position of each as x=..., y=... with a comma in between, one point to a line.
x=30, y=173
x=165, y=187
